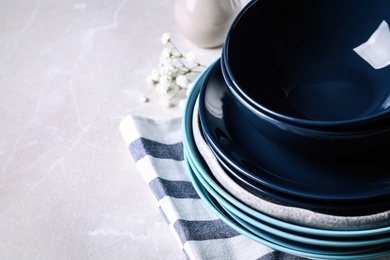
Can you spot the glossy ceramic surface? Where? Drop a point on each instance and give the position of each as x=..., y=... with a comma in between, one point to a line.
x=323, y=244
x=338, y=246
x=309, y=141
x=296, y=61
x=338, y=208
x=206, y=22
x=265, y=204
x=256, y=157
x=190, y=148
x=214, y=201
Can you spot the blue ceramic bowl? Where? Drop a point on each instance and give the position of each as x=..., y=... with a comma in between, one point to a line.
x=296, y=61
x=359, y=143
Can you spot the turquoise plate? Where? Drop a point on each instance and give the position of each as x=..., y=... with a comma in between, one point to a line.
x=327, y=246
x=271, y=240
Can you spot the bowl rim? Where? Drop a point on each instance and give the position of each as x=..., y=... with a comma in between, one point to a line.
x=325, y=131
x=364, y=121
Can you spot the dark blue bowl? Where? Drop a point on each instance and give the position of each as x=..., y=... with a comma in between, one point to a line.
x=295, y=61
x=310, y=142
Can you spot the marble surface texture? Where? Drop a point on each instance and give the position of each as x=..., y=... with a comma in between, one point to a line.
x=69, y=72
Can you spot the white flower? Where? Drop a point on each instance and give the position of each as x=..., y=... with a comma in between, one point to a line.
x=173, y=74
x=163, y=85
x=168, y=70
x=191, y=57
x=153, y=77
x=166, y=53
x=162, y=89
x=165, y=38
x=165, y=62
x=164, y=79
x=182, y=81
x=143, y=99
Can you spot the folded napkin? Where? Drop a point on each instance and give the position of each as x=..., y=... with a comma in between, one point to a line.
x=156, y=147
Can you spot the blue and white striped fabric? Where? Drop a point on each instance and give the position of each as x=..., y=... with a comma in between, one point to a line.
x=156, y=147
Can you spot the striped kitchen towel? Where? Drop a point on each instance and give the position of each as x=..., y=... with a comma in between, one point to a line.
x=156, y=147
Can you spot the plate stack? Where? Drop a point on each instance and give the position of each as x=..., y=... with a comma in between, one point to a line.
x=285, y=134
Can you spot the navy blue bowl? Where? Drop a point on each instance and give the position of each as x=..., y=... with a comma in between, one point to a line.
x=295, y=61
x=308, y=141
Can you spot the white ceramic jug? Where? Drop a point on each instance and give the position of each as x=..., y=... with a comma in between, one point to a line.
x=206, y=22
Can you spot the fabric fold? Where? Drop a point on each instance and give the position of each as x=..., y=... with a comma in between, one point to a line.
x=157, y=149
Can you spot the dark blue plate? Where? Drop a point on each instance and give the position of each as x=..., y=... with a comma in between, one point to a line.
x=365, y=178
x=338, y=208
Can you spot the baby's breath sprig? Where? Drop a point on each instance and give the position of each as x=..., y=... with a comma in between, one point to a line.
x=175, y=73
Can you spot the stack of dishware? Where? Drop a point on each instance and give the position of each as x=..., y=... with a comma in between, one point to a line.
x=285, y=134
